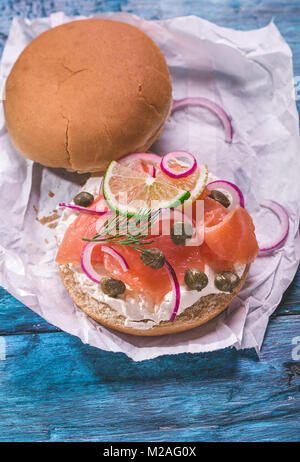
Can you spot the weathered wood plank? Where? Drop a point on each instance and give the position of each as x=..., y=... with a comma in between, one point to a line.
x=16, y=318
x=53, y=383
x=290, y=303
x=252, y=432
x=264, y=430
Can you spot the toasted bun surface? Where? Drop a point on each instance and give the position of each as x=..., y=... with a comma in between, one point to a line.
x=86, y=92
x=205, y=309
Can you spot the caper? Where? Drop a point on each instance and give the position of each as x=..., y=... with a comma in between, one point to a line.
x=226, y=281
x=220, y=197
x=181, y=232
x=84, y=199
x=195, y=279
x=112, y=287
x=154, y=258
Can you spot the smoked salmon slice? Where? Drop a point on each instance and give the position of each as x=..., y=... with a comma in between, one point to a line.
x=233, y=239
x=229, y=238
x=84, y=226
x=214, y=212
x=155, y=282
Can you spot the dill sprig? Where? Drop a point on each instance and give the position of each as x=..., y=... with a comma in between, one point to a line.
x=127, y=231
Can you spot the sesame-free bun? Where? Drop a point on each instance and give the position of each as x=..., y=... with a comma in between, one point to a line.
x=86, y=92
x=202, y=311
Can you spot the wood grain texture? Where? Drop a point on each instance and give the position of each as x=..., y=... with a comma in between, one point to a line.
x=65, y=390
x=54, y=388
x=16, y=318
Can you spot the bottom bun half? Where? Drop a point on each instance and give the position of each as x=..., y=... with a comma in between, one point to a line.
x=205, y=309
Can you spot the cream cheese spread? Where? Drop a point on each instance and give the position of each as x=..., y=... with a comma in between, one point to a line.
x=138, y=309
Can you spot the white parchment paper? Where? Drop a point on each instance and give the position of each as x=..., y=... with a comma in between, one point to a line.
x=250, y=75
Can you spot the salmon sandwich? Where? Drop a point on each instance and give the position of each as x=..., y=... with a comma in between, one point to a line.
x=151, y=245
x=157, y=246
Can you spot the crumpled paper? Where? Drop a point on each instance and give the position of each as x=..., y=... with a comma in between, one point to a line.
x=247, y=73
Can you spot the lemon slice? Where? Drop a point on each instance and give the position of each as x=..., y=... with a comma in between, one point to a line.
x=194, y=183
x=128, y=191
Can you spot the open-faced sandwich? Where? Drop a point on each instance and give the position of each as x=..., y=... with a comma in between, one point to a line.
x=160, y=246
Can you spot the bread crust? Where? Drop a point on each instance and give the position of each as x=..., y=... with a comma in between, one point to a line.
x=86, y=92
x=202, y=311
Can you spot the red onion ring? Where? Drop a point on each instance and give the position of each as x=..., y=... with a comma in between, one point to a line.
x=86, y=260
x=117, y=256
x=173, y=173
x=175, y=288
x=83, y=209
x=235, y=193
x=282, y=214
x=200, y=101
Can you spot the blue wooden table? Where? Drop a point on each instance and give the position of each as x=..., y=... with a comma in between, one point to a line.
x=54, y=388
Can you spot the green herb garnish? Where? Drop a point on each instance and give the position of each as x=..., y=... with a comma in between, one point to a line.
x=127, y=231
